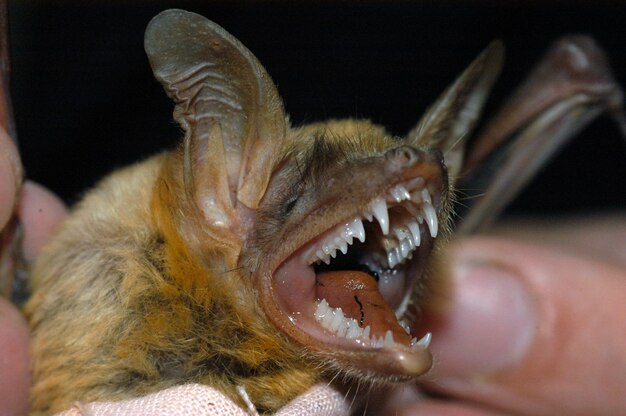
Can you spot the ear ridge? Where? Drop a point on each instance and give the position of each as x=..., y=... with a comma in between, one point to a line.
x=215, y=80
x=448, y=122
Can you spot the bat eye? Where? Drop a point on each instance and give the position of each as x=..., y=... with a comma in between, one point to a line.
x=290, y=204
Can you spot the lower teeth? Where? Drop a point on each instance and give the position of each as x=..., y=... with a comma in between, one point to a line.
x=334, y=320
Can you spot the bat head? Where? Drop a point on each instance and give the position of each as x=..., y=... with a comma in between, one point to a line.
x=332, y=224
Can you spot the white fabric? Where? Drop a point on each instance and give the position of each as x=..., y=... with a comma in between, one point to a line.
x=199, y=400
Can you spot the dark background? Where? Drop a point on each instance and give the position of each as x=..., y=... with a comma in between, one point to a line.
x=85, y=100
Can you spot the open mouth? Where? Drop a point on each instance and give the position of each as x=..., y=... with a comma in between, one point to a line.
x=349, y=288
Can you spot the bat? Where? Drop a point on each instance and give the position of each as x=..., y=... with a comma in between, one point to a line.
x=270, y=257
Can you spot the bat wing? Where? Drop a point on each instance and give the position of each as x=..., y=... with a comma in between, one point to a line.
x=449, y=121
x=571, y=86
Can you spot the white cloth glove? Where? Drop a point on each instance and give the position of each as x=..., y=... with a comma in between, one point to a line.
x=200, y=400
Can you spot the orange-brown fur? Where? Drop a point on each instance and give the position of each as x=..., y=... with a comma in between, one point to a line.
x=143, y=303
x=128, y=300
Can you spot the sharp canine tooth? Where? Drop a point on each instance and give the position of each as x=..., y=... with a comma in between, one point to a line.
x=389, y=339
x=415, y=231
x=431, y=219
x=379, y=208
x=425, y=341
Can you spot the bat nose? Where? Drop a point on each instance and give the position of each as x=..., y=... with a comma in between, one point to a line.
x=404, y=156
x=409, y=161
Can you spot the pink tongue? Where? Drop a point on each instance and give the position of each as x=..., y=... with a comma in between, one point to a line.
x=356, y=293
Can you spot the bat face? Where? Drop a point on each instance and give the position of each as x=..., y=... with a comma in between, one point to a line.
x=257, y=254
x=334, y=222
x=342, y=238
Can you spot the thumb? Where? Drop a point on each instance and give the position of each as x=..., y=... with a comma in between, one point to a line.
x=10, y=176
x=532, y=330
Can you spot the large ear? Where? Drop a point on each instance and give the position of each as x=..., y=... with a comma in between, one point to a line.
x=228, y=106
x=447, y=124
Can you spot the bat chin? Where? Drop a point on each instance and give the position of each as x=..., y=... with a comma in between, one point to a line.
x=345, y=293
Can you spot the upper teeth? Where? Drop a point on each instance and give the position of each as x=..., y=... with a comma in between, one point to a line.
x=407, y=232
x=399, y=193
x=379, y=208
x=431, y=218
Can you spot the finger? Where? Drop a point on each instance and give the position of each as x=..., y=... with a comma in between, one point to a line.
x=407, y=400
x=40, y=212
x=532, y=330
x=432, y=407
x=14, y=371
x=602, y=236
x=10, y=176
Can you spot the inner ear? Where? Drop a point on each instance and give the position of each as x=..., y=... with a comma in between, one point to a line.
x=448, y=123
x=228, y=106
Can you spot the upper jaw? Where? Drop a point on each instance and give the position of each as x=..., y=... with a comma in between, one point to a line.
x=402, y=235
x=403, y=220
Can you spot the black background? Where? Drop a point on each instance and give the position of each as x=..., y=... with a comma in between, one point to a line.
x=85, y=100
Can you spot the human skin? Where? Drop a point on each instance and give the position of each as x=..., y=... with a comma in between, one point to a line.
x=40, y=212
x=534, y=324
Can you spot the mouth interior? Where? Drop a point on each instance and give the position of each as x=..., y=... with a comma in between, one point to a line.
x=351, y=285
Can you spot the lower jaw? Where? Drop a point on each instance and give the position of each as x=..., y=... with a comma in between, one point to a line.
x=295, y=289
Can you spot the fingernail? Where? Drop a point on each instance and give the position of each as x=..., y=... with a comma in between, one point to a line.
x=9, y=176
x=490, y=322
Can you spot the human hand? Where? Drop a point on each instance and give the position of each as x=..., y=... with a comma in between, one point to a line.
x=39, y=212
x=536, y=325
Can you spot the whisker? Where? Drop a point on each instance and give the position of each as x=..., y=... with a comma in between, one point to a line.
x=455, y=144
x=354, y=396
x=333, y=378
